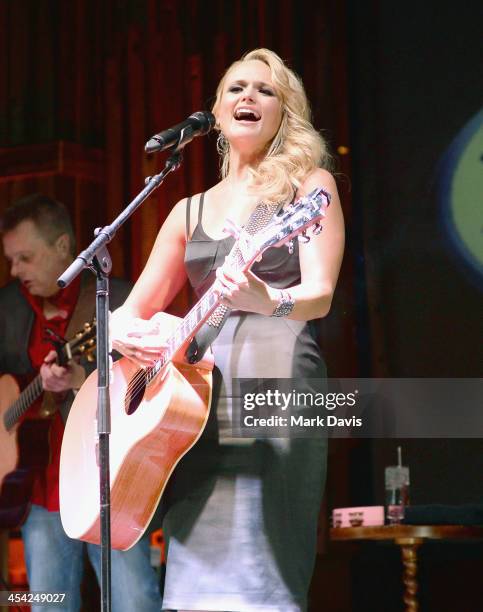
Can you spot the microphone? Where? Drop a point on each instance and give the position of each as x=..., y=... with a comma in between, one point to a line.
x=197, y=124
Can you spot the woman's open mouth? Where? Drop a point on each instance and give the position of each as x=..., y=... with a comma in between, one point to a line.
x=246, y=114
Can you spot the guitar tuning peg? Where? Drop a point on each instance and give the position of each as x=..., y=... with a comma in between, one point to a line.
x=317, y=228
x=304, y=238
x=290, y=247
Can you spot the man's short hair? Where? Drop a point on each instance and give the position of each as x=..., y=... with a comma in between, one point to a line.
x=50, y=217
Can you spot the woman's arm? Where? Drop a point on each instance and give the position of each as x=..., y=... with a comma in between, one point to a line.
x=135, y=332
x=320, y=261
x=164, y=274
x=321, y=258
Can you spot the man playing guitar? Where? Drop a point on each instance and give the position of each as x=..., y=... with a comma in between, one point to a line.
x=38, y=242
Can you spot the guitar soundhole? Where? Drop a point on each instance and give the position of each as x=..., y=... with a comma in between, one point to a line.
x=135, y=392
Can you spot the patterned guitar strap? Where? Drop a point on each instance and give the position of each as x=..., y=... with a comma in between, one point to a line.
x=260, y=218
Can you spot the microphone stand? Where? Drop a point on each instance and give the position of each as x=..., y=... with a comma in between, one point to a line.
x=96, y=258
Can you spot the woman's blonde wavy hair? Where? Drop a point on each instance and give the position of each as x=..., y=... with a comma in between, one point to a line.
x=295, y=150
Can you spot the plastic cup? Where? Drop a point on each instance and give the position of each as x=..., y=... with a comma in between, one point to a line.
x=396, y=478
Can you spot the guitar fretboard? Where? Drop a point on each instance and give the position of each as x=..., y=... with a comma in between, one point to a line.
x=185, y=330
x=83, y=343
x=28, y=396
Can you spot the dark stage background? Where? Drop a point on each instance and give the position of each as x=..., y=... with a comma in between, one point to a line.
x=83, y=85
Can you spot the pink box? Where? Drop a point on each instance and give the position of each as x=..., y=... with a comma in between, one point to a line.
x=362, y=516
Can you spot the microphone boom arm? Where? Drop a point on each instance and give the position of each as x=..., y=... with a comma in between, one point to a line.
x=106, y=234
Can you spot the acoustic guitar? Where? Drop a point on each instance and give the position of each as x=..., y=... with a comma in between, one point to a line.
x=157, y=413
x=24, y=446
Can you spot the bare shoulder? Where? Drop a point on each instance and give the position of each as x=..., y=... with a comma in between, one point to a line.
x=179, y=209
x=178, y=212
x=319, y=177
x=334, y=218
x=175, y=223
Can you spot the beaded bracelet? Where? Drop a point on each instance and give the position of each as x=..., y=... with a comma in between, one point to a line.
x=285, y=305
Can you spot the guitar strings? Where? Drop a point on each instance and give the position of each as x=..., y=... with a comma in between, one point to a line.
x=28, y=395
x=143, y=377
x=35, y=388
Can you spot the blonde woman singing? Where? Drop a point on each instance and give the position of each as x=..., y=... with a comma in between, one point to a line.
x=241, y=517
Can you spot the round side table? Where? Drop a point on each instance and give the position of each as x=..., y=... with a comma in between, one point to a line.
x=408, y=538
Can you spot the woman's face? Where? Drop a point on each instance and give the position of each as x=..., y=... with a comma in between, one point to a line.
x=249, y=112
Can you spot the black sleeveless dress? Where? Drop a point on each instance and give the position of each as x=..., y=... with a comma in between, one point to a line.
x=242, y=517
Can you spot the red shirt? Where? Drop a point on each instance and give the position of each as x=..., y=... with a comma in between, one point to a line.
x=46, y=484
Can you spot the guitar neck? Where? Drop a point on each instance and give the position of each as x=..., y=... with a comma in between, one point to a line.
x=191, y=323
x=83, y=343
x=188, y=327
x=28, y=396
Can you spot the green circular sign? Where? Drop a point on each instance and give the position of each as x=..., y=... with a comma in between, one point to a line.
x=462, y=192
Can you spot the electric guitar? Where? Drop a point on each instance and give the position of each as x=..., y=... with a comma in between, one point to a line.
x=157, y=413
x=24, y=446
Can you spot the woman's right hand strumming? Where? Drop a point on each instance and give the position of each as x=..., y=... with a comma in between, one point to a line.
x=140, y=340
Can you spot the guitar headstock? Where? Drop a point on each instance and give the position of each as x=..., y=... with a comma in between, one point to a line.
x=83, y=344
x=293, y=221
